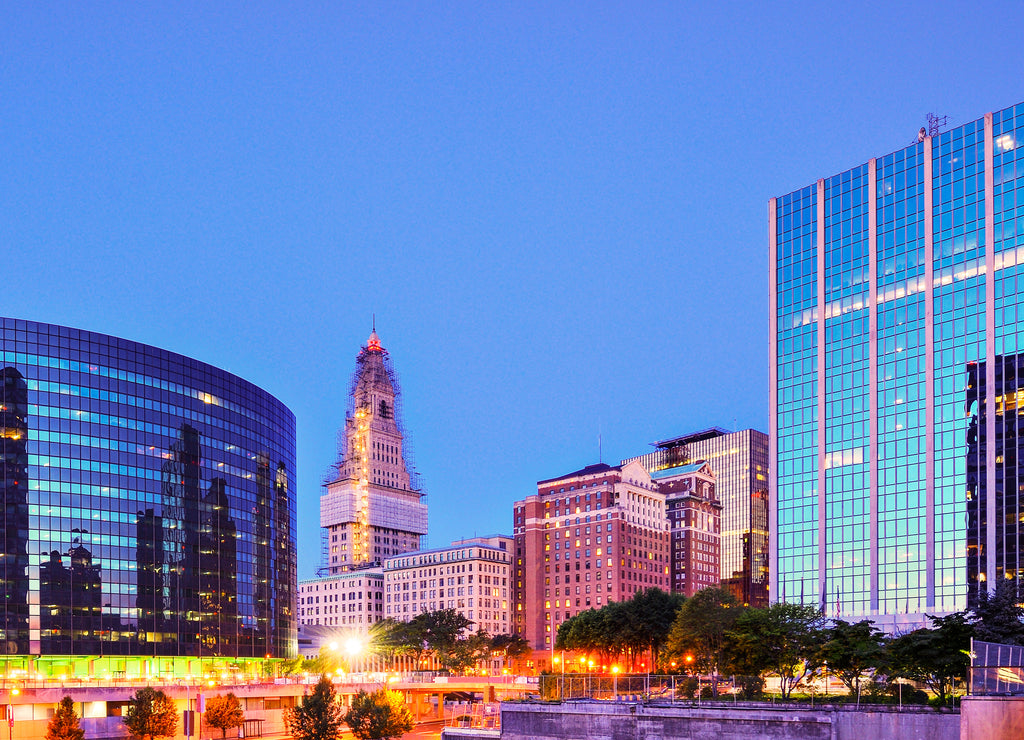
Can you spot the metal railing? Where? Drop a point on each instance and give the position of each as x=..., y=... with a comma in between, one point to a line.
x=996, y=668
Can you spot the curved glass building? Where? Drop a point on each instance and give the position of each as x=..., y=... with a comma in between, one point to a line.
x=149, y=518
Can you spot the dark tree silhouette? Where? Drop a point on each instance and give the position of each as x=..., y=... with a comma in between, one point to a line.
x=64, y=723
x=319, y=716
x=151, y=713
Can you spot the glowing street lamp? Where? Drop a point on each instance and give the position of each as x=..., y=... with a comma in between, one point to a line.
x=353, y=649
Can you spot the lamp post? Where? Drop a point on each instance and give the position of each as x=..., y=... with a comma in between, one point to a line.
x=10, y=713
x=615, y=682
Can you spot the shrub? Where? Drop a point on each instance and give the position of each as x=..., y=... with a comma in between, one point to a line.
x=751, y=687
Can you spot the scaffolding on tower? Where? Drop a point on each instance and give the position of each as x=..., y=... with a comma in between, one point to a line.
x=354, y=453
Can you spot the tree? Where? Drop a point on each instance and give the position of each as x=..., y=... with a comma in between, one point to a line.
x=851, y=649
x=588, y=632
x=390, y=638
x=656, y=610
x=699, y=630
x=382, y=714
x=999, y=616
x=319, y=716
x=511, y=646
x=938, y=657
x=64, y=723
x=441, y=632
x=224, y=712
x=151, y=713
x=779, y=640
x=631, y=627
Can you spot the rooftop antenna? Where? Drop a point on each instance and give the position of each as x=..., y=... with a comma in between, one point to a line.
x=373, y=318
x=936, y=123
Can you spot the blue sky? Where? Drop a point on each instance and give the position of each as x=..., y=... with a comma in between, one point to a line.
x=557, y=211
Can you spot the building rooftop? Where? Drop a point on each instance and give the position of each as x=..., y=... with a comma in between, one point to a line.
x=686, y=439
x=589, y=470
x=679, y=470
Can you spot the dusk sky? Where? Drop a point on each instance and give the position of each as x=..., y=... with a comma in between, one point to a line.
x=557, y=211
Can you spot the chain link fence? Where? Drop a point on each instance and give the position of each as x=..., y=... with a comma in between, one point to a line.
x=647, y=687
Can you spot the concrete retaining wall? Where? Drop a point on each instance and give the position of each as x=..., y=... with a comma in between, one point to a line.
x=992, y=718
x=458, y=733
x=629, y=721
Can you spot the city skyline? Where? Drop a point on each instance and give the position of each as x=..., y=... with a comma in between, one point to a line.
x=555, y=213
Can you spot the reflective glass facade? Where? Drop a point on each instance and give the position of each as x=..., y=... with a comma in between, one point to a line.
x=148, y=505
x=894, y=331
x=739, y=461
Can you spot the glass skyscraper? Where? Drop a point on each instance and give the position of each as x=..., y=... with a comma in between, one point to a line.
x=149, y=518
x=894, y=362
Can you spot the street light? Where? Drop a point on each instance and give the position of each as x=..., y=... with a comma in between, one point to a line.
x=353, y=648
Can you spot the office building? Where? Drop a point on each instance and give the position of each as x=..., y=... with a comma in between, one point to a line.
x=149, y=518
x=585, y=539
x=739, y=461
x=352, y=599
x=694, y=519
x=895, y=296
x=372, y=506
x=470, y=577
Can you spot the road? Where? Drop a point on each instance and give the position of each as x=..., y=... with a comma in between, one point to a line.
x=425, y=731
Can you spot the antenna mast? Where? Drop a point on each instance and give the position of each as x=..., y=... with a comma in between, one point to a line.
x=936, y=123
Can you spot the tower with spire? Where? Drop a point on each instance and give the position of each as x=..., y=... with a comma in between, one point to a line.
x=372, y=506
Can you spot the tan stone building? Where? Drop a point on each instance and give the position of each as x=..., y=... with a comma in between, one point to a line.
x=470, y=576
x=353, y=599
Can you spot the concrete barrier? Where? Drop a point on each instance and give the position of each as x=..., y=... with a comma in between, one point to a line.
x=992, y=718
x=635, y=721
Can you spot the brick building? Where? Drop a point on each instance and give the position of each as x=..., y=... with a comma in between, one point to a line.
x=694, y=517
x=596, y=535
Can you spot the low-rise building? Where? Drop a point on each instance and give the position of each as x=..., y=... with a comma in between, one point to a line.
x=352, y=599
x=470, y=576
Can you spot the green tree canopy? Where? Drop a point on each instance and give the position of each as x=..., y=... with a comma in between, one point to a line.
x=64, y=723
x=779, y=640
x=699, y=630
x=389, y=638
x=224, y=712
x=511, y=646
x=657, y=611
x=319, y=716
x=852, y=649
x=465, y=652
x=382, y=714
x=938, y=657
x=151, y=713
x=622, y=627
x=587, y=632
